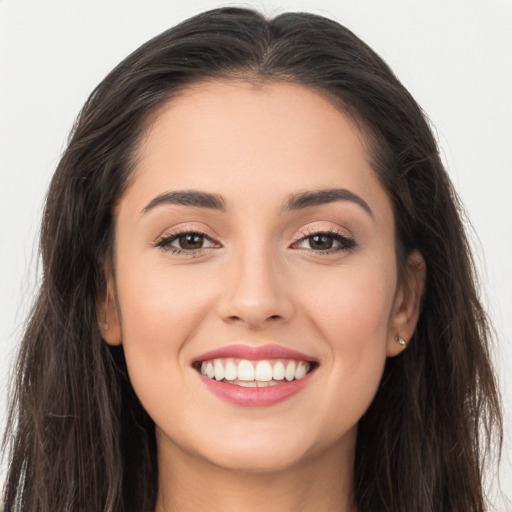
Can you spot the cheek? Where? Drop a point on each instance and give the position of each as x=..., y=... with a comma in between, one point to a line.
x=352, y=316
x=352, y=305
x=161, y=311
x=157, y=301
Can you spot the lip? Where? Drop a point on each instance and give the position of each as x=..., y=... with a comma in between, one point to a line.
x=255, y=397
x=254, y=353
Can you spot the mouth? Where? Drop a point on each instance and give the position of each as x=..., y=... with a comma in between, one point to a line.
x=254, y=373
x=255, y=376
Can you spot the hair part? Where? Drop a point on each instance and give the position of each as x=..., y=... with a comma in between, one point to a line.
x=79, y=438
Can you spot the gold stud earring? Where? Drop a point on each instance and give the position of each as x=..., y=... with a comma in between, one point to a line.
x=401, y=341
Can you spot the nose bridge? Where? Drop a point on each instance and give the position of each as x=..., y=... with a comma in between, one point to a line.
x=254, y=291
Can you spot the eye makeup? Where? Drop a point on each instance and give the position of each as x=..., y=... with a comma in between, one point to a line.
x=325, y=241
x=188, y=241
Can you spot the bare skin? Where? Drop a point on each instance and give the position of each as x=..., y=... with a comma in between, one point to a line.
x=323, y=482
x=320, y=278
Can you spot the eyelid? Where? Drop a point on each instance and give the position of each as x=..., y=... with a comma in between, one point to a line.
x=346, y=241
x=164, y=240
x=315, y=228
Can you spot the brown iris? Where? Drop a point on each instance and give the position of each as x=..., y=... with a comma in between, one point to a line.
x=320, y=242
x=191, y=241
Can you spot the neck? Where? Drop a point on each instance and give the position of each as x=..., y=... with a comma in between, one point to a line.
x=323, y=481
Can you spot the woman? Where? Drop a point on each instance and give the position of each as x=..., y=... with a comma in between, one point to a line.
x=257, y=291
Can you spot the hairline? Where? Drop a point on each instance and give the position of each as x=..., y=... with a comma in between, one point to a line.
x=372, y=142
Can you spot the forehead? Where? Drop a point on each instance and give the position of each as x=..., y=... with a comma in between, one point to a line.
x=218, y=113
x=246, y=140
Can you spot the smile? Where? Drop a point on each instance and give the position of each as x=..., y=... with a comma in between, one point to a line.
x=263, y=373
x=255, y=376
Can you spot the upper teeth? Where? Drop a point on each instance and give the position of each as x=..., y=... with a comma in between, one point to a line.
x=265, y=370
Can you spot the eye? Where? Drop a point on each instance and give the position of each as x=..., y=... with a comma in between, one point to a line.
x=321, y=242
x=325, y=242
x=190, y=241
x=185, y=242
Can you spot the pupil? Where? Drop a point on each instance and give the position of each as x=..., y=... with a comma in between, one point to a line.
x=192, y=241
x=322, y=242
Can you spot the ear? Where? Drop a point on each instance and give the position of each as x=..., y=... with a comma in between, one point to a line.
x=108, y=314
x=406, y=306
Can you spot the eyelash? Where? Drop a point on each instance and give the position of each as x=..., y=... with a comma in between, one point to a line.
x=165, y=242
x=345, y=243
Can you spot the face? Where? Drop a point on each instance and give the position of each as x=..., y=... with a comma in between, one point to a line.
x=254, y=232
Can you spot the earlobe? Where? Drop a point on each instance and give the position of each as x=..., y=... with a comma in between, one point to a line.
x=108, y=317
x=407, y=303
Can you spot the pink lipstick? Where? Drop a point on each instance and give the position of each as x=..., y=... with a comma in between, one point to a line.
x=253, y=353
x=255, y=376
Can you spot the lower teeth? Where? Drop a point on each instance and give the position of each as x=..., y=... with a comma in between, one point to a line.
x=253, y=383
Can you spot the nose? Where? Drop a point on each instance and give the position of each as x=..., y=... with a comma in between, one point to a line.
x=255, y=292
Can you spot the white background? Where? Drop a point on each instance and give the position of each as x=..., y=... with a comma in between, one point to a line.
x=455, y=56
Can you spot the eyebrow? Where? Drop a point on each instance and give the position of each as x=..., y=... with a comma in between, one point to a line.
x=296, y=201
x=324, y=196
x=188, y=198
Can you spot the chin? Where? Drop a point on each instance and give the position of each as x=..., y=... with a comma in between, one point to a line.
x=260, y=453
x=260, y=460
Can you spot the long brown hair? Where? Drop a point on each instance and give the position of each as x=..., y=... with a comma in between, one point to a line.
x=78, y=437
